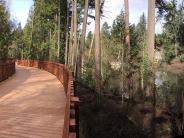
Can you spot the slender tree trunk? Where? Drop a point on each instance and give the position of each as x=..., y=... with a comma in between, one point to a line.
x=150, y=44
x=50, y=48
x=150, y=50
x=75, y=37
x=127, y=54
x=91, y=45
x=67, y=39
x=22, y=52
x=63, y=29
x=127, y=35
x=176, y=49
x=151, y=30
x=31, y=43
x=97, y=47
x=71, y=52
x=58, y=43
x=82, y=42
x=142, y=70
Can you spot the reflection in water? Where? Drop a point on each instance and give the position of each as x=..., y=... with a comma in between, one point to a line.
x=170, y=101
x=161, y=114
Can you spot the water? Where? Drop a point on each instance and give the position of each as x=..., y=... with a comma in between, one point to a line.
x=161, y=115
x=170, y=101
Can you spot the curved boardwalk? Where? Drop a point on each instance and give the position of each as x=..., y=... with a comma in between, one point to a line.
x=32, y=105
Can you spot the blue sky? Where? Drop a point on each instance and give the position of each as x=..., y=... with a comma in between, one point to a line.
x=19, y=10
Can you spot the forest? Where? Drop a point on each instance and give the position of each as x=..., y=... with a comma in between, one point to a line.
x=128, y=77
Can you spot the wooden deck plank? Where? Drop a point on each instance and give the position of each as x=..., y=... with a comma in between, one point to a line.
x=32, y=105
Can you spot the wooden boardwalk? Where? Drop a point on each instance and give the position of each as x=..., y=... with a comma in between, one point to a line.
x=32, y=105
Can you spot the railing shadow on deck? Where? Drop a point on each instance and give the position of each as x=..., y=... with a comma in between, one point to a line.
x=7, y=69
x=64, y=75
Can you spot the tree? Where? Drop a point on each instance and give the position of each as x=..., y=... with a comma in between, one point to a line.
x=97, y=47
x=63, y=27
x=127, y=52
x=75, y=37
x=5, y=29
x=82, y=41
x=141, y=32
x=150, y=49
x=127, y=35
x=151, y=30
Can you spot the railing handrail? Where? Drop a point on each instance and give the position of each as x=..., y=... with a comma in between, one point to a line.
x=64, y=75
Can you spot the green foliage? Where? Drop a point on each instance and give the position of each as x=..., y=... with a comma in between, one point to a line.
x=5, y=29
x=39, y=38
x=88, y=39
x=173, y=30
x=182, y=58
x=88, y=73
x=169, y=52
x=118, y=28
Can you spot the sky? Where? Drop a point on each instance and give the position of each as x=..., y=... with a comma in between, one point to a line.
x=19, y=10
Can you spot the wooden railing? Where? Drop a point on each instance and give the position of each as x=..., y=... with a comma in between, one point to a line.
x=7, y=69
x=66, y=78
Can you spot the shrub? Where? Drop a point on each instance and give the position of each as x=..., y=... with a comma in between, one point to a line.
x=182, y=58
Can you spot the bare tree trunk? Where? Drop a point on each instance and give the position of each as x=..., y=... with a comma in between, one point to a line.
x=150, y=49
x=127, y=35
x=176, y=49
x=67, y=39
x=91, y=45
x=75, y=37
x=71, y=53
x=59, y=23
x=150, y=45
x=22, y=52
x=142, y=73
x=50, y=48
x=31, y=43
x=127, y=54
x=63, y=29
x=97, y=47
x=151, y=30
x=82, y=42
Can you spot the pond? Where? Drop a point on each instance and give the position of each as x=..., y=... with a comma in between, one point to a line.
x=170, y=101
x=161, y=116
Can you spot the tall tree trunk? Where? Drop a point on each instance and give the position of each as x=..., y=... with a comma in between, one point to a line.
x=71, y=53
x=151, y=30
x=50, y=48
x=127, y=35
x=176, y=48
x=22, y=52
x=150, y=50
x=150, y=45
x=91, y=46
x=58, y=43
x=82, y=41
x=31, y=43
x=127, y=54
x=75, y=37
x=67, y=39
x=63, y=29
x=97, y=47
